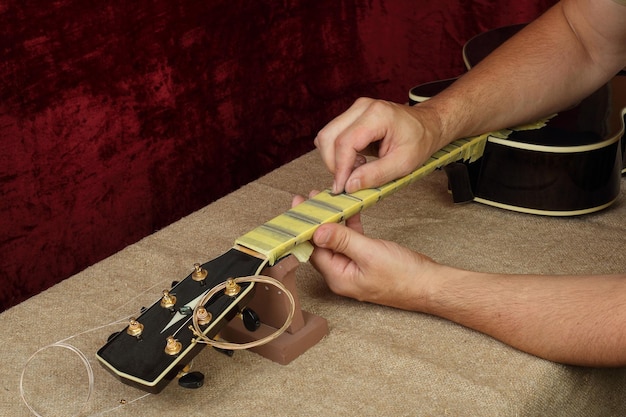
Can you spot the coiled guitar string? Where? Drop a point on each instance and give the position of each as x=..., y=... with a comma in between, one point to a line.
x=203, y=339
x=84, y=359
x=90, y=374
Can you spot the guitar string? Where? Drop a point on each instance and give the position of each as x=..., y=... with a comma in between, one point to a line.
x=202, y=338
x=84, y=359
x=240, y=346
x=223, y=345
x=125, y=403
x=205, y=299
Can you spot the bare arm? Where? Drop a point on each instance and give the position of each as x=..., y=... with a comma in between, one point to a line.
x=579, y=320
x=560, y=58
x=557, y=60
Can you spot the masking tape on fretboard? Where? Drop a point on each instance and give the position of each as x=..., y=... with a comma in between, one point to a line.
x=303, y=251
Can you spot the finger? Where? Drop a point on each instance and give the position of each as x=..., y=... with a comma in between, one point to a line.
x=325, y=139
x=347, y=156
x=335, y=268
x=369, y=128
x=355, y=223
x=378, y=172
x=359, y=160
x=297, y=199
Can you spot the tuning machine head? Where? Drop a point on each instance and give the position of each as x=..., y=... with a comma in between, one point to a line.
x=232, y=288
x=199, y=274
x=168, y=300
x=172, y=346
x=134, y=327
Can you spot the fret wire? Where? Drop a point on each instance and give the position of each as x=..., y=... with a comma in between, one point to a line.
x=277, y=229
x=302, y=217
x=352, y=196
x=323, y=205
x=291, y=225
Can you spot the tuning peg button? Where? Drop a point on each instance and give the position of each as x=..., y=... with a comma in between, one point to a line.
x=250, y=319
x=191, y=380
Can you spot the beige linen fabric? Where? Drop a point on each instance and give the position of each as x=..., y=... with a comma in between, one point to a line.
x=375, y=360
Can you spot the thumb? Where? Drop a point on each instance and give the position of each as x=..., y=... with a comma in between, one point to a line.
x=370, y=175
x=341, y=239
x=378, y=172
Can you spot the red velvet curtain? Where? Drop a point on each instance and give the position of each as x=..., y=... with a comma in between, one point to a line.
x=117, y=118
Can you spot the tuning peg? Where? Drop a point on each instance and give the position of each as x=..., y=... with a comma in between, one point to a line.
x=168, y=300
x=172, y=346
x=191, y=380
x=227, y=352
x=204, y=316
x=199, y=274
x=232, y=288
x=250, y=319
x=134, y=328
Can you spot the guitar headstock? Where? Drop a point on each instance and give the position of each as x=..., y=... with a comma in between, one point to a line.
x=159, y=343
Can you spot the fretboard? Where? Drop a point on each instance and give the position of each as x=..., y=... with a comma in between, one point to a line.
x=277, y=237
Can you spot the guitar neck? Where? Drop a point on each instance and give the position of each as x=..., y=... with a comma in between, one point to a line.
x=277, y=237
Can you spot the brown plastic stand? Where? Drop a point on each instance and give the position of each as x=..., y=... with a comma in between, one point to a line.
x=273, y=307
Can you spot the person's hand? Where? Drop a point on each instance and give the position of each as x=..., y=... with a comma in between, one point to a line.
x=406, y=137
x=372, y=270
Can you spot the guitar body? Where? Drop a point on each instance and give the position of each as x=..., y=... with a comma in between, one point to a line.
x=569, y=166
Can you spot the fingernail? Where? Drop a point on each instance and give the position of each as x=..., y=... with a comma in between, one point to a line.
x=334, y=189
x=353, y=185
x=321, y=237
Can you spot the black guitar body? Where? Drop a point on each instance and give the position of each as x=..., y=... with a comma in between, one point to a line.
x=570, y=166
x=560, y=180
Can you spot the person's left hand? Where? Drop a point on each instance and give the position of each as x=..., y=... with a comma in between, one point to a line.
x=373, y=270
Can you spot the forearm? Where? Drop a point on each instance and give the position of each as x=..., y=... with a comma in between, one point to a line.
x=553, y=63
x=577, y=320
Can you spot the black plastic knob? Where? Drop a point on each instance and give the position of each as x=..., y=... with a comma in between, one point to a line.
x=226, y=352
x=250, y=319
x=191, y=380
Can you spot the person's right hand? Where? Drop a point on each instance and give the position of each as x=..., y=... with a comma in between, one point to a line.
x=406, y=137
